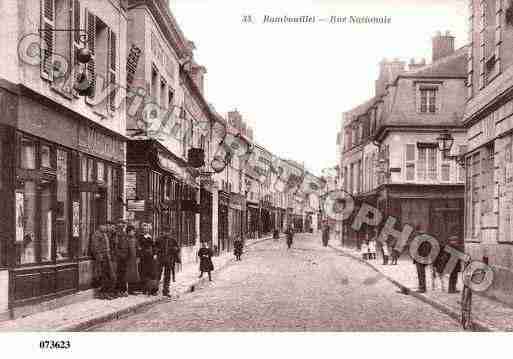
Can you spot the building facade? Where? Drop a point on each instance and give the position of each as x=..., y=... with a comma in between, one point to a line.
x=488, y=162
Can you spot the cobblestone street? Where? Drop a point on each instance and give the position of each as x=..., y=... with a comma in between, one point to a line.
x=307, y=288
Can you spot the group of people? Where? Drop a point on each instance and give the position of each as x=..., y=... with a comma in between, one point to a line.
x=368, y=250
x=131, y=261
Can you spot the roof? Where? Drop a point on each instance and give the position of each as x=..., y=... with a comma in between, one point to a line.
x=454, y=65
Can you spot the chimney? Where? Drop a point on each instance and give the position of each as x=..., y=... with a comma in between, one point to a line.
x=388, y=71
x=235, y=119
x=443, y=45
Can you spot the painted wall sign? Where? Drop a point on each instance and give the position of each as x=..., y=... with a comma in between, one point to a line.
x=95, y=142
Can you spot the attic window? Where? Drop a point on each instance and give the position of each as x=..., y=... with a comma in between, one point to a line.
x=490, y=63
x=428, y=98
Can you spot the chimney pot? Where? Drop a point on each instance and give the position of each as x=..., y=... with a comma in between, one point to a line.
x=442, y=45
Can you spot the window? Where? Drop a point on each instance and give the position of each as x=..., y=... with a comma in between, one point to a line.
x=428, y=100
x=476, y=205
x=446, y=172
x=45, y=157
x=62, y=228
x=421, y=163
x=46, y=219
x=410, y=162
x=26, y=213
x=432, y=163
x=28, y=154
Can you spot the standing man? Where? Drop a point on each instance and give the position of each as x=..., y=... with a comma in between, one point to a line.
x=168, y=253
x=325, y=235
x=100, y=245
x=423, y=251
x=456, y=244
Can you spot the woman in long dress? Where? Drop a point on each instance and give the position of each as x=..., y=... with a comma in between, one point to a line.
x=149, y=264
x=205, y=256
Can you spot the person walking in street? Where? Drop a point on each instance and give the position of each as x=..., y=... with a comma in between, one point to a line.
x=238, y=246
x=132, y=266
x=372, y=248
x=290, y=237
x=122, y=254
x=325, y=235
x=205, y=256
x=386, y=252
x=149, y=264
x=168, y=255
x=365, y=250
x=100, y=247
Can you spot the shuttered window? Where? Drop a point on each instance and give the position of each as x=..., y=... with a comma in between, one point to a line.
x=91, y=44
x=76, y=41
x=47, y=38
x=112, y=69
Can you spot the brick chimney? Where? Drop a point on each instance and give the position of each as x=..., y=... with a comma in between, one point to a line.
x=388, y=71
x=198, y=76
x=443, y=45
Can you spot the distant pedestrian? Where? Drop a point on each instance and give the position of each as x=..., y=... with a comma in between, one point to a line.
x=290, y=236
x=101, y=251
x=386, y=252
x=238, y=246
x=168, y=255
x=205, y=256
x=364, y=249
x=149, y=264
x=325, y=235
x=372, y=249
x=132, y=266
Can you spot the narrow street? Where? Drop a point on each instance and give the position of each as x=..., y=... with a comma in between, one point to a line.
x=307, y=288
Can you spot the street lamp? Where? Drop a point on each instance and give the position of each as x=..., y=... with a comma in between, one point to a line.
x=445, y=142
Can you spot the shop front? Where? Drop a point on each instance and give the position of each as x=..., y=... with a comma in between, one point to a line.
x=223, y=225
x=252, y=214
x=157, y=191
x=60, y=177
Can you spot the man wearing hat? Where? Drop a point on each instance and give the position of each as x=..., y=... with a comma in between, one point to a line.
x=455, y=243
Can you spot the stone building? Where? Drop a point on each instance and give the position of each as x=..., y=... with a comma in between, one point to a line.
x=489, y=122
x=62, y=152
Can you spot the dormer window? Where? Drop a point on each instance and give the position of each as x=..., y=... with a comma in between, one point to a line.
x=428, y=99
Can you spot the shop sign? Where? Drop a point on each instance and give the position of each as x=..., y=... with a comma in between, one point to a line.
x=20, y=216
x=131, y=185
x=136, y=206
x=93, y=141
x=76, y=219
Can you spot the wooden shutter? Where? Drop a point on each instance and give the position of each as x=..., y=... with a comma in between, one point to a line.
x=409, y=163
x=112, y=54
x=47, y=38
x=91, y=44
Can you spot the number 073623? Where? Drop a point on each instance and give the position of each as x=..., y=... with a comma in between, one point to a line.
x=54, y=344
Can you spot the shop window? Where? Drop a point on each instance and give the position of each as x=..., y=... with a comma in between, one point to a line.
x=62, y=224
x=28, y=154
x=100, y=172
x=83, y=169
x=46, y=226
x=45, y=154
x=26, y=224
x=90, y=170
x=85, y=223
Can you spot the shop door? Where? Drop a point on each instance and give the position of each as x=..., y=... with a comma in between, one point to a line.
x=446, y=222
x=99, y=208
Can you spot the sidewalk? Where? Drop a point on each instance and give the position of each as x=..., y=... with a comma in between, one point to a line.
x=82, y=315
x=487, y=314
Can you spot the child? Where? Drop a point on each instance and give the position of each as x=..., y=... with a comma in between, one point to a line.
x=205, y=256
x=386, y=253
x=365, y=250
x=372, y=249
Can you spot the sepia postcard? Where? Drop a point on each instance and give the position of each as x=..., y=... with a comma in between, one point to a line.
x=255, y=166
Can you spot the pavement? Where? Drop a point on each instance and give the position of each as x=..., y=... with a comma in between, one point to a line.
x=487, y=314
x=85, y=314
x=306, y=288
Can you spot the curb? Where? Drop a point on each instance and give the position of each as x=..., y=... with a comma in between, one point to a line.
x=187, y=288
x=478, y=325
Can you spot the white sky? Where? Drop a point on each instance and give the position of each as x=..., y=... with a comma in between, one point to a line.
x=291, y=82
